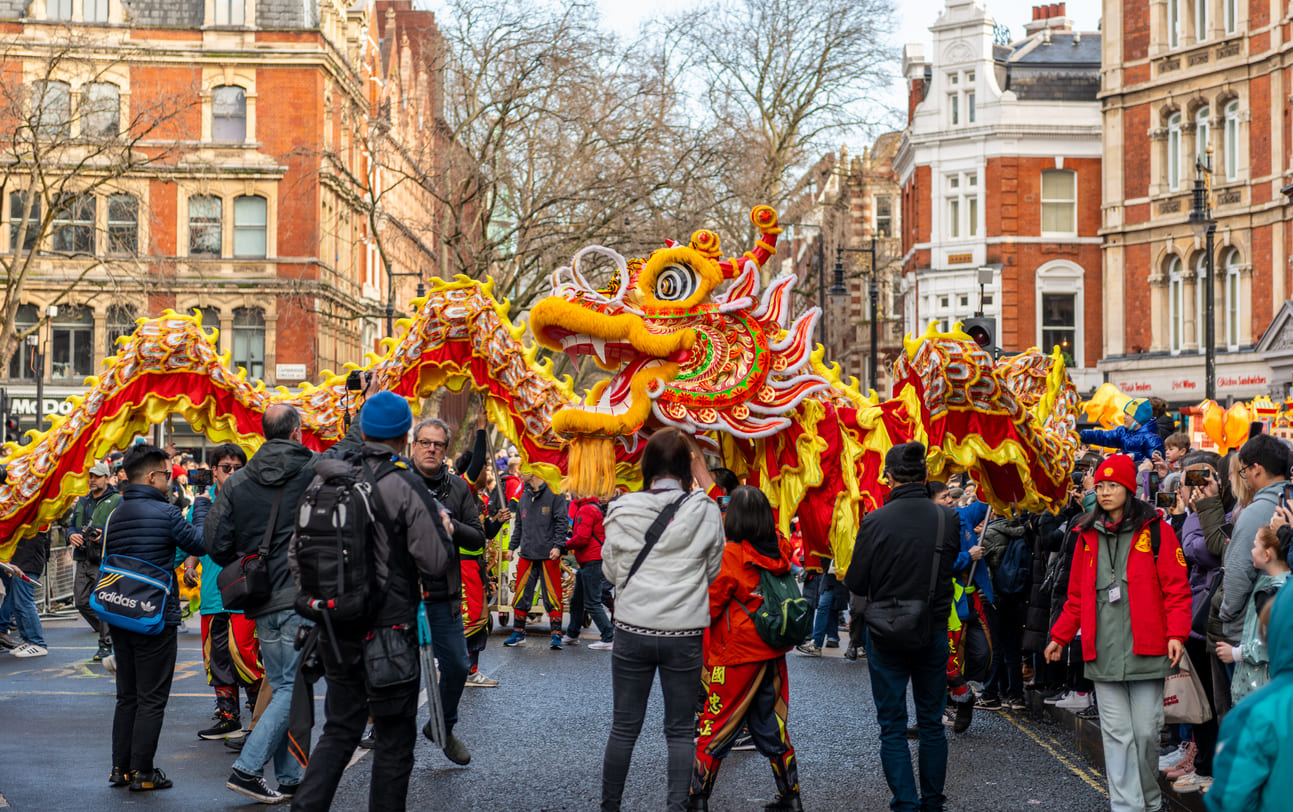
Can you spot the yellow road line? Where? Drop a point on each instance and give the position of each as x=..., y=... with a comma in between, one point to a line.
x=1089, y=776
x=12, y=694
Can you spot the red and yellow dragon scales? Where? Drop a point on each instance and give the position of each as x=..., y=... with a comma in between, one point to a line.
x=691, y=339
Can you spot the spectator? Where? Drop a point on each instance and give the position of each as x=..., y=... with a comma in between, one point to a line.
x=85, y=535
x=146, y=526
x=1251, y=658
x=894, y=555
x=1138, y=436
x=442, y=595
x=586, y=540
x=1263, y=468
x=260, y=496
x=747, y=685
x=230, y=649
x=666, y=543
x=1164, y=423
x=19, y=606
x=1129, y=598
x=422, y=550
x=1175, y=447
x=1001, y=538
x=542, y=522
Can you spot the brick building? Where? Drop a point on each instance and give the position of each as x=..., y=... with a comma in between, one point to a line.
x=258, y=205
x=999, y=168
x=848, y=201
x=1180, y=77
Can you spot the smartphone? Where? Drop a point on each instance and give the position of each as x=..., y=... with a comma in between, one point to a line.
x=1165, y=499
x=1197, y=477
x=1288, y=492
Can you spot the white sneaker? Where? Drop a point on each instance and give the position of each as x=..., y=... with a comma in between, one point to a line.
x=1058, y=698
x=601, y=646
x=1077, y=701
x=30, y=650
x=110, y=663
x=567, y=640
x=479, y=680
x=1173, y=758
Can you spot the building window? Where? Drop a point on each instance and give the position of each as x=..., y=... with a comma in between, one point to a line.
x=1175, y=304
x=1232, y=299
x=121, y=322
x=17, y=208
x=1232, y=15
x=965, y=301
x=962, y=205
x=1201, y=300
x=249, y=226
x=1174, y=152
x=954, y=100
x=944, y=302
x=969, y=107
x=1200, y=20
x=205, y=213
x=96, y=11
x=72, y=228
x=53, y=109
x=1173, y=23
x=1231, y=138
x=1202, y=136
x=229, y=114
x=1059, y=201
x=229, y=12
x=71, y=351
x=58, y=9
x=123, y=224
x=884, y=216
x=249, y=340
x=1059, y=324
x=102, y=105
x=23, y=364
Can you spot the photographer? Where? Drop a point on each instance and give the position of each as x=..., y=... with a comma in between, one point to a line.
x=89, y=517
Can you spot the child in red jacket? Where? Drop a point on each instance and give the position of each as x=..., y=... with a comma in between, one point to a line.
x=586, y=536
x=746, y=677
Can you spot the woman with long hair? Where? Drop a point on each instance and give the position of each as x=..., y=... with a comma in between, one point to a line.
x=1130, y=600
x=664, y=545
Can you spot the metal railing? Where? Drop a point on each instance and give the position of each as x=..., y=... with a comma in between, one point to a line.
x=54, y=598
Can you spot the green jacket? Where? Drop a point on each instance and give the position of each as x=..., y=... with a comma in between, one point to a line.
x=1253, y=767
x=91, y=512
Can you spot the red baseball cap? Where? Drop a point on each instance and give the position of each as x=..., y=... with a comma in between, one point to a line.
x=1117, y=468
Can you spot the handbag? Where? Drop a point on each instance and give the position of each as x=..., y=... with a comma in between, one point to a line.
x=244, y=584
x=131, y=593
x=904, y=624
x=390, y=657
x=653, y=534
x=1183, y=699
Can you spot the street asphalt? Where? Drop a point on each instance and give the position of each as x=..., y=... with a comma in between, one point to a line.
x=536, y=742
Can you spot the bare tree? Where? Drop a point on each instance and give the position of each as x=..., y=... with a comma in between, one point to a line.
x=66, y=146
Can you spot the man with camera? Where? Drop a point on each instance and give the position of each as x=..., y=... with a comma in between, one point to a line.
x=89, y=517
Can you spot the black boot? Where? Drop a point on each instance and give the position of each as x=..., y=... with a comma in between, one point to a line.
x=786, y=773
x=702, y=784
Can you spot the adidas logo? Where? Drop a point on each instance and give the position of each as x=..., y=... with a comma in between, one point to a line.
x=147, y=606
x=117, y=598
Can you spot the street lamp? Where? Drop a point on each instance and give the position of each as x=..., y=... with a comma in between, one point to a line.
x=839, y=290
x=1205, y=226
x=390, y=292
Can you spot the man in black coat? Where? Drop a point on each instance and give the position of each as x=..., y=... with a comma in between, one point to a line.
x=895, y=558
x=148, y=527
x=244, y=515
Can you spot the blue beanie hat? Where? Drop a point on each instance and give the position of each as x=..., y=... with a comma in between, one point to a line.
x=386, y=416
x=1140, y=409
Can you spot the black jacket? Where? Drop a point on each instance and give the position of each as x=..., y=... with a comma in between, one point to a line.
x=31, y=554
x=542, y=523
x=148, y=527
x=894, y=553
x=236, y=526
x=468, y=536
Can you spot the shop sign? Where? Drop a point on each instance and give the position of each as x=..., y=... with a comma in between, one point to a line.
x=289, y=372
x=26, y=406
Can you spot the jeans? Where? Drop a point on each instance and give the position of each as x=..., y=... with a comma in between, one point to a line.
x=20, y=605
x=825, y=622
x=347, y=708
x=277, y=633
x=87, y=575
x=450, y=648
x=634, y=663
x=145, y=670
x=1131, y=714
x=1008, y=681
x=926, y=670
x=588, y=598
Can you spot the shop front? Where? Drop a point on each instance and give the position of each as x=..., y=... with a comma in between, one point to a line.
x=1181, y=380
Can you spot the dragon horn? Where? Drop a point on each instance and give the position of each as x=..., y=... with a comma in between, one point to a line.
x=764, y=219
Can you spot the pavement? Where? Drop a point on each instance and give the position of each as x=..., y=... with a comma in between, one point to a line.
x=536, y=742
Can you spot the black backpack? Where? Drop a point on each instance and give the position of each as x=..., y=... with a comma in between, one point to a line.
x=1016, y=570
x=333, y=542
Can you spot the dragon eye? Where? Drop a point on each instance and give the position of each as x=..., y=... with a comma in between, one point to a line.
x=675, y=283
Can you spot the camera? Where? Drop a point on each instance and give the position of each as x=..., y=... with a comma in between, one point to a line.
x=1079, y=474
x=1165, y=499
x=1197, y=477
x=200, y=479
x=356, y=380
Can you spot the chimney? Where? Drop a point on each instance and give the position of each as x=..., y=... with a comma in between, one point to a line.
x=1048, y=17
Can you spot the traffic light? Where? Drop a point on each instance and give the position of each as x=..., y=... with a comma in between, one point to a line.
x=983, y=331
x=10, y=428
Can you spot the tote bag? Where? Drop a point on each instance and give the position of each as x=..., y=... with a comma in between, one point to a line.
x=1183, y=699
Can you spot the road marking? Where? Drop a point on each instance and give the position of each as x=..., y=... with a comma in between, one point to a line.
x=12, y=694
x=1088, y=776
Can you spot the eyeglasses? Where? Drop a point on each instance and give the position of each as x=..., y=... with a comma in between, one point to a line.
x=1107, y=487
x=166, y=472
x=228, y=467
x=1243, y=469
x=436, y=444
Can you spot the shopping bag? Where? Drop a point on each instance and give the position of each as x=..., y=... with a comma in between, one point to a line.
x=1183, y=699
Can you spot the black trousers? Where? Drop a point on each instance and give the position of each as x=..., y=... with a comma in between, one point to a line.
x=348, y=707
x=145, y=669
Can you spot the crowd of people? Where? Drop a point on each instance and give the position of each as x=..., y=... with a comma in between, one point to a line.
x=1163, y=558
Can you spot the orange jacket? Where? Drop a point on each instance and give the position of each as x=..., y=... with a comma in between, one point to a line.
x=732, y=638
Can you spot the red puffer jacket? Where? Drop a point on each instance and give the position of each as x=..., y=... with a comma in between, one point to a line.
x=587, y=531
x=732, y=638
x=1158, y=593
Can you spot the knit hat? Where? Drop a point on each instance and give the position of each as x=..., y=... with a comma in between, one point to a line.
x=905, y=461
x=100, y=469
x=1118, y=468
x=1140, y=409
x=386, y=416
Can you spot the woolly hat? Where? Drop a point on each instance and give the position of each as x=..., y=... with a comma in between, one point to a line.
x=1140, y=409
x=905, y=461
x=100, y=469
x=1118, y=468
x=386, y=416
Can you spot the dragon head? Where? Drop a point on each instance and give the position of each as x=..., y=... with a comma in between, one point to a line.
x=685, y=350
